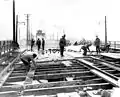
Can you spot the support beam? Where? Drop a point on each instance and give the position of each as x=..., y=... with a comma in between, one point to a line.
x=41, y=90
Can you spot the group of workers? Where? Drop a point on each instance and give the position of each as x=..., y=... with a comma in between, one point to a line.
x=62, y=43
x=28, y=60
x=97, y=43
x=39, y=44
x=86, y=48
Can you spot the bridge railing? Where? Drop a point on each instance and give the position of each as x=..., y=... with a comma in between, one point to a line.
x=5, y=46
x=113, y=44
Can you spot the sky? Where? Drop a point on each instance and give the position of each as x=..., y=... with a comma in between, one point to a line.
x=76, y=18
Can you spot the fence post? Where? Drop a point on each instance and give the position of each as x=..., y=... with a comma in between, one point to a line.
x=9, y=45
x=3, y=47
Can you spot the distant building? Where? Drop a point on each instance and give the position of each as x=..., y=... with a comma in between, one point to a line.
x=40, y=34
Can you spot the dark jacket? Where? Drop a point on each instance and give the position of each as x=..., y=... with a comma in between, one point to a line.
x=38, y=42
x=97, y=42
x=32, y=42
x=27, y=59
x=43, y=42
x=62, y=42
x=84, y=48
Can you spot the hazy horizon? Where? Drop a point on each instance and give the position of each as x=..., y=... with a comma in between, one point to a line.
x=76, y=18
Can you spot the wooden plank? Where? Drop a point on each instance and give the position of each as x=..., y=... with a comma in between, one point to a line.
x=67, y=63
x=91, y=66
x=106, y=63
x=58, y=75
x=107, y=78
x=29, y=77
x=37, y=88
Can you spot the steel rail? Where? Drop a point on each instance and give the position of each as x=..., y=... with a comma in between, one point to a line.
x=101, y=72
x=111, y=65
x=8, y=70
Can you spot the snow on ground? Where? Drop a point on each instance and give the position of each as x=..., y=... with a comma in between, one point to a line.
x=77, y=48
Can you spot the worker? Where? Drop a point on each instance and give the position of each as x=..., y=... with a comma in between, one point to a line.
x=32, y=44
x=85, y=48
x=97, y=44
x=27, y=59
x=62, y=44
x=38, y=43
x=43, y=45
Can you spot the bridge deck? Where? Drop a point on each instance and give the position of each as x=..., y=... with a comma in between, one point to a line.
x=111, y=55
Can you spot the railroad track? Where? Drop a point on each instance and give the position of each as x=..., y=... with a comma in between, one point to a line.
x=106, y=66
x=6, y=59
x=52, y=77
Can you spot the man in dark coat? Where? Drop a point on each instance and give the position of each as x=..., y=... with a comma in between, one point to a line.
x=32, y=44
x=62, y=44
x=85, y=48
x=38, y=43
x=97, y=44
x=43, y=43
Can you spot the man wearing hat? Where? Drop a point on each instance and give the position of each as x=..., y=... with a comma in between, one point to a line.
x=62, y=44
x=97, y=44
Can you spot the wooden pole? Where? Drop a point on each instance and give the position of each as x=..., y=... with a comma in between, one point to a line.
x=105, y=32
x=16, y=29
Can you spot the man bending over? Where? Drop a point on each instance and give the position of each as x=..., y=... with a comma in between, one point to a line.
x=27, y=59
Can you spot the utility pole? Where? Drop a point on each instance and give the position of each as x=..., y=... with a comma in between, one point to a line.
x=14, y=35
x=105, y=32
x=16, y=39
x=17, y=26
x=28, y=33
x=19, y=36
